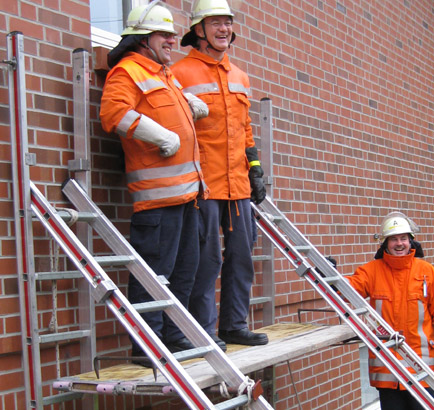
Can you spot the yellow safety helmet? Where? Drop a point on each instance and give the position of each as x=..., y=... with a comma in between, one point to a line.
x=202, y=9
x=207, y=8
x=148, y=18
x=396, y=223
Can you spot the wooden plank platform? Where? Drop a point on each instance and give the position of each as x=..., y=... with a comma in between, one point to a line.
x=287, y=341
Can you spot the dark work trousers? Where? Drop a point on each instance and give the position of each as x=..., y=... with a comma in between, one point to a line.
x=168, y=240
x=395, y=399
x=235, y=218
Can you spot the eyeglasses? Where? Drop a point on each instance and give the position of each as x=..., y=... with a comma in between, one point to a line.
x=217, y=24
x=166, y=35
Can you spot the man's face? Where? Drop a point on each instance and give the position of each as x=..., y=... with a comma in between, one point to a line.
x=399, y=245
x=161, y=43
x=218, y=31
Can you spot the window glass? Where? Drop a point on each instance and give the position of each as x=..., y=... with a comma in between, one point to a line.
x=108, y=15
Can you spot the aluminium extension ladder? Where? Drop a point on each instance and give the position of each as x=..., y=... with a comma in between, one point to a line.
x=368, y=325
x=104, y=290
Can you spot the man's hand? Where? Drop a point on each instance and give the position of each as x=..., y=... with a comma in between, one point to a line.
x=150, y=131
x=198, y=108
x=257, y=184
x=255, y=176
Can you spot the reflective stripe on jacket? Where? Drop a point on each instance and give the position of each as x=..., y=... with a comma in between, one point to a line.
x=395, y=285
x=135, y=86
x=226, y=133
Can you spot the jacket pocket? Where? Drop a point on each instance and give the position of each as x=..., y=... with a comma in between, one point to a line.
x=416, y=287
x=416, y=306
x=145, y=234
x=242, y=98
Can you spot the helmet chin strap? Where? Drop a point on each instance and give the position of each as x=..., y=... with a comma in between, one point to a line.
x=154, y=54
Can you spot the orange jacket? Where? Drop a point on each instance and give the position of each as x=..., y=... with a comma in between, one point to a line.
x=395, y=285
x=226, y=133
x=135, y=86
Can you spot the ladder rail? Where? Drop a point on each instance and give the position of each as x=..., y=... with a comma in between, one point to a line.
x=266, y=213
x=178, y=313
x=82, y=156
x=21, y=158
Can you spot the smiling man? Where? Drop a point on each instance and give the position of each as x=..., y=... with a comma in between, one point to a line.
x=143, y=103
x=231, y=169
x=400, y=287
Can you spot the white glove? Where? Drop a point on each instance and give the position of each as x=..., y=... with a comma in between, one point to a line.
x=198, y=108
x=150, y=131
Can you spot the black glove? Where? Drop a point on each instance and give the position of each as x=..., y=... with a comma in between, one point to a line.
x=257, y=184
x=334, y=264
x=255, y=176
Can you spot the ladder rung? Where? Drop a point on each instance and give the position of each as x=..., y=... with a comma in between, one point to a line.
x=61, y=398
x=58, y=337
x=390, y=343
x=82, y=216
x=332, y=279
x=114, y=260
x=72, y=274
x=360, y=311
x=163, y=280
x=259, y=300
x=303, y=248
x=259, y=258
x=233, y=403
x=152, y=306
x=421, y=376
x=274, y=218
x=192, y=353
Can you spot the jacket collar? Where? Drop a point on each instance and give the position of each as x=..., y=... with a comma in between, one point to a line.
x=399, y=262
x=145, y=62
x=194, y=53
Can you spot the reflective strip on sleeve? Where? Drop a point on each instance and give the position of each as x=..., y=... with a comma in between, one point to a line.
x=126, y=122
x=255, y=163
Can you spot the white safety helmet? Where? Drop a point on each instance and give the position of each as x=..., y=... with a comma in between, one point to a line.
x=207, y=8
x=396, y=223
x=148, y=18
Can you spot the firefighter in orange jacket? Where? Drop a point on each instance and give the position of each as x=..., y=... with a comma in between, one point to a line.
x=232, y=171
x=143, y=103
x=400, y=287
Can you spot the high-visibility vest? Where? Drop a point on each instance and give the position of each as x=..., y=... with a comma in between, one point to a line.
x=401, y=290
x=226, y=133
x=135, y=86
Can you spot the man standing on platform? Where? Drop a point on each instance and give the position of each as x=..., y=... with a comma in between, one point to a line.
x=143, y=103
x=232, y=171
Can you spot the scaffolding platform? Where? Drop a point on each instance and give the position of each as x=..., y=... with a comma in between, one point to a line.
x=287, y=342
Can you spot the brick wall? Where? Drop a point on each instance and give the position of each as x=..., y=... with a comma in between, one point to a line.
x=351, y=85
x=328, y=379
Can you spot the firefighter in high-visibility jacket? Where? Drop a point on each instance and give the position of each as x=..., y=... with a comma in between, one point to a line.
x=232, y=171
x=400, y=287
x=143, y=103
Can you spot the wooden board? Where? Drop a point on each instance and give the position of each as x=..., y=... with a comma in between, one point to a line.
x=287, y=341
